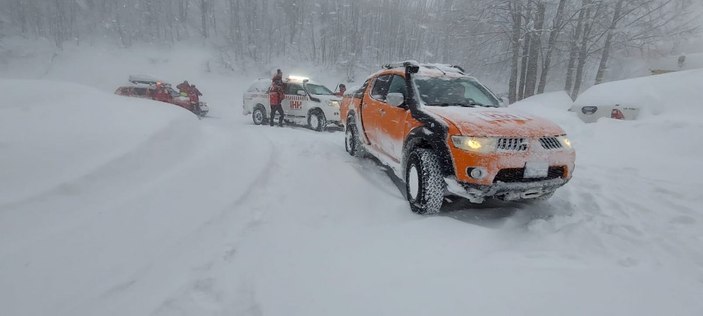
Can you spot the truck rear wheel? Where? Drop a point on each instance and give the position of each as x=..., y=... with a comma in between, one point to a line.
x=352, y=144
x=424, y=184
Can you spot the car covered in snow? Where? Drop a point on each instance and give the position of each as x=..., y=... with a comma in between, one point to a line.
x=590, y=113
x=444, y=134
x=145, y=87
x=305, y=103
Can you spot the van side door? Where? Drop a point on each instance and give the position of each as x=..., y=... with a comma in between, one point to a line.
x=293, y=103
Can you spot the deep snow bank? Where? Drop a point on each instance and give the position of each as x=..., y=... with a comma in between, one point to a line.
x=108, y=203
x=677, y=94
x=51, y=132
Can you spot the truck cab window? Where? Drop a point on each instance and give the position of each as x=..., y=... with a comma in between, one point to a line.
x=380, y=87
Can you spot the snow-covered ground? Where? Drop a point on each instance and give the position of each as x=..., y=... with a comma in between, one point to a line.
x=117, y=206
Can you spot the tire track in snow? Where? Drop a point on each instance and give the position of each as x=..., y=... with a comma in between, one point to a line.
x=231, y=224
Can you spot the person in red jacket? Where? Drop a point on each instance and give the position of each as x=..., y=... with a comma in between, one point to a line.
x=276, y=94
x=194, y=94
x=342, y=89
x=183, y=88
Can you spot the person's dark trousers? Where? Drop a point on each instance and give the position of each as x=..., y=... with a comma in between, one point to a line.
x=276, y=108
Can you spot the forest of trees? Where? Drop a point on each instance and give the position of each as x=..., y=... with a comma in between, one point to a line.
x=529, y=43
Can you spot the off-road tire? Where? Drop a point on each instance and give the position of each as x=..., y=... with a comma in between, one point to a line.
x=259, y=115
x=424, y=184
x=316, y=116
x=352, y=144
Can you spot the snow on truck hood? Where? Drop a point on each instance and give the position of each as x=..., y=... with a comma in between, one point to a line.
x=495, y=122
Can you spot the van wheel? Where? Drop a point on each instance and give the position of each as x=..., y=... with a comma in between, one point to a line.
x=317, y=120
x=351, y=140
x=259, y=115
x=424, y=185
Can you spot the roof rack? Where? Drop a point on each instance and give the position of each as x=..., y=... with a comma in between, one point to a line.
x=402, y=64
x=414, y=64
x=143, y=79
x=446, y=68
x=410, y=66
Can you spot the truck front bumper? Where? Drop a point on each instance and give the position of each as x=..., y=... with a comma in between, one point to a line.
x=509, y=191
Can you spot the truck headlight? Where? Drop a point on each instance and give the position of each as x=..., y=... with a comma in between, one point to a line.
x=334, y=104
x=475, y=144
x=564, y=141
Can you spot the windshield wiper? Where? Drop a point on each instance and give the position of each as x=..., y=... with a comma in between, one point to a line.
x=445, y=104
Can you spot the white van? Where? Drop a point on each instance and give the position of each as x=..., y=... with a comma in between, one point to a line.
x=305, y=103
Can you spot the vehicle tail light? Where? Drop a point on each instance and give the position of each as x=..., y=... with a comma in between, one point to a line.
x=617, y=114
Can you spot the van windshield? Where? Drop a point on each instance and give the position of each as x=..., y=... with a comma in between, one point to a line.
x=317, y=89
x=454, y=91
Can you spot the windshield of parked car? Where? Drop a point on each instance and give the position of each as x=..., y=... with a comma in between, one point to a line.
x=317, y=89
x=454, y=91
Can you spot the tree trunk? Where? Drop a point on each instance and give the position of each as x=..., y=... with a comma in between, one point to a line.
x=203, y=16
x=602, y=67
x=515, y=46
x=535, y=44
x=525, y=55
x=583, y=54
x=574, y=48
x=553, y=35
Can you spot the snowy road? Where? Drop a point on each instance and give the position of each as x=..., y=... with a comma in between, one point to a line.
x=177, y=216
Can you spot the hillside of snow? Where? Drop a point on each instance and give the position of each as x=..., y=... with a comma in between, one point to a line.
x=117, y=206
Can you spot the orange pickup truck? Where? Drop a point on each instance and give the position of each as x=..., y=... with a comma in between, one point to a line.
x=443, y=133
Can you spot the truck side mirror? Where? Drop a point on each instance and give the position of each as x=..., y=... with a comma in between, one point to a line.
x=395, y=99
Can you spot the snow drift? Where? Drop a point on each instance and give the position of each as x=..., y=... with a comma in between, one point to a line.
x=119, y=206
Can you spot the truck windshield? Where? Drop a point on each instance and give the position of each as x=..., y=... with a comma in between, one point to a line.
x=454, y=91
x=317, y=89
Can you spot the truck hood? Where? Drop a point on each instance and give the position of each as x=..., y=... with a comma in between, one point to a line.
x=498, y=122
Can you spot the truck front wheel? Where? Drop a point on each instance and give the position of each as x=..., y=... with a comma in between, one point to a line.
x=424, y=185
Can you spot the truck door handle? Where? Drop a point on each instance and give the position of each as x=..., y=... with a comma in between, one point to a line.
x=382, y=112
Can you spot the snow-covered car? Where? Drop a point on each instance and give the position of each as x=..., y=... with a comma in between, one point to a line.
x=305, y=103
x=145, y=87
x=592, y=112
x=620, y=100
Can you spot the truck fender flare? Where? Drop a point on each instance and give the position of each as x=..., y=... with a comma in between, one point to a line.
x=352, y=118
x=422, y=137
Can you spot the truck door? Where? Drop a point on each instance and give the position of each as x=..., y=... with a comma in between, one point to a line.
x=371, y=110
x=392, y=121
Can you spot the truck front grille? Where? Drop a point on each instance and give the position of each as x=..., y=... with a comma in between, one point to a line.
x=550, y=143
x=512, y=144
x=517, y=175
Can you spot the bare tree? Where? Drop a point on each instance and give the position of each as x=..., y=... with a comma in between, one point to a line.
x=557, y=27
x=516, y=19
x=535, y=35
